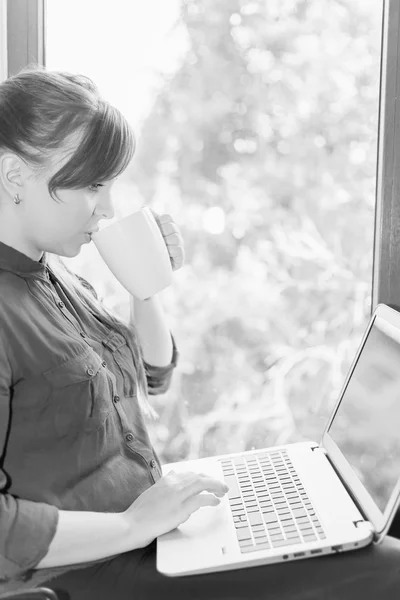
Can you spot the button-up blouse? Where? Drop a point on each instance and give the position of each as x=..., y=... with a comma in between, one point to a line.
x=72, y=434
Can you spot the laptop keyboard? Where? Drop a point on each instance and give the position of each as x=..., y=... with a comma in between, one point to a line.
x=269, y=505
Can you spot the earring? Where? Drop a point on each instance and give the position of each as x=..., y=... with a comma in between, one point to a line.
x=17, y=199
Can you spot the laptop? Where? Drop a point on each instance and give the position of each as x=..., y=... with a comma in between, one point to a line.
x=305, y=499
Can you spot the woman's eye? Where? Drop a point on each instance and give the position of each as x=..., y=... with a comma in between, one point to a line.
x=94, y=186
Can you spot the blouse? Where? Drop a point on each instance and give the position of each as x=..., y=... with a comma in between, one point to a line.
x=72, y=434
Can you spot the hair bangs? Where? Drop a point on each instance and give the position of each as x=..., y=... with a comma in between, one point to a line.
x=105, y=150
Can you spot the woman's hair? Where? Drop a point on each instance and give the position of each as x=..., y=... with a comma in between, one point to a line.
x=43, y=111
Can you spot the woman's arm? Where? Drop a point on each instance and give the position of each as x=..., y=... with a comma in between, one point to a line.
x=26, y=527
x=154, y=334
x=87, y=536
x=148, y=315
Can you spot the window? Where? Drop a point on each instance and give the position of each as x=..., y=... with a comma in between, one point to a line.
x=257, y=130
x=3, y=40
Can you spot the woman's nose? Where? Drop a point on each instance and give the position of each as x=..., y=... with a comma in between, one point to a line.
x=105, y=210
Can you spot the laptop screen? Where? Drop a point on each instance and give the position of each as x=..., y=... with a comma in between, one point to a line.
x=366, y=426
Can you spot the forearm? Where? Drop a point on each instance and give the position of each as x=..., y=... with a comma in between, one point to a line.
x=87, y=536
x=154, y=334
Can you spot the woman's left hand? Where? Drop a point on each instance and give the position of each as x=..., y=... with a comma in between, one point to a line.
x=172, y=238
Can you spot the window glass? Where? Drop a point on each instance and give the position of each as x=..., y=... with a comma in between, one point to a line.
x=257, y=127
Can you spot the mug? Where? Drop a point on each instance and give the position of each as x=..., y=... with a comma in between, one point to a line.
x=135, y=252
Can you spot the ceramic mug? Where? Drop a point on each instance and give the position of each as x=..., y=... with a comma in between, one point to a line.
x=134, y=250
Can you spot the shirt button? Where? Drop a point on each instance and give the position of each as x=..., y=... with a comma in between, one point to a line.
x=153, y=463
x=90, y=372
x=104, y=364
x=116, y=399
x=83, y=334
x=129, y=437
x=61, y=304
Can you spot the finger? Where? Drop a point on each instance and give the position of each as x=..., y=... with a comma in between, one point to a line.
x=177, y=256
x=204, y=483
x=176, y=252
x=181, y=480
x=169, y=228
x=175, y=239
x=194, y=503
x=165, y=218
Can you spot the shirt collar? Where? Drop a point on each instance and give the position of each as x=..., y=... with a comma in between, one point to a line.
x=20, y=264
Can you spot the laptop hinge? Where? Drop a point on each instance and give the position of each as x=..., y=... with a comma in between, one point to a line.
x=357, y=523
x=318, y=448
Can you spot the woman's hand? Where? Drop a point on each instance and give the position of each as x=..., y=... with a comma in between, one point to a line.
x=172, y=238
x=170, y=502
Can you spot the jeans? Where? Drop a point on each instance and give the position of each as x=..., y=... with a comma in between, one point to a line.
x=371, y=573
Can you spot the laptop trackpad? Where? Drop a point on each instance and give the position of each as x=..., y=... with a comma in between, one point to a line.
x=204, y=521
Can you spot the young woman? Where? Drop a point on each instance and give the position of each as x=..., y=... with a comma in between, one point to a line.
x=78, y=468
x=82, y=498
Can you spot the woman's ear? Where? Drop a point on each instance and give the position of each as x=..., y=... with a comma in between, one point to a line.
x=11, y=176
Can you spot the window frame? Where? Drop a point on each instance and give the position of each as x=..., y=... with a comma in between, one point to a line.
x=386, y=263
x=3, y=40
x=26, y=45
x=25, y=34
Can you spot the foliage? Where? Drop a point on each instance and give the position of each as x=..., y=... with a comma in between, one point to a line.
x=262, y=146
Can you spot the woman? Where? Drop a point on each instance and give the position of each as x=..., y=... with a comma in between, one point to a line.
x=82, y=497
x=76, y=453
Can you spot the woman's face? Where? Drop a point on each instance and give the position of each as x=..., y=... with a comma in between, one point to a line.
x=60, y=227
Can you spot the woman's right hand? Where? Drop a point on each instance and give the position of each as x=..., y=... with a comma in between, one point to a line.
x=170, y=502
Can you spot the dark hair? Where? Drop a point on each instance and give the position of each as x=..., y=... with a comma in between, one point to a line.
x=41, y=111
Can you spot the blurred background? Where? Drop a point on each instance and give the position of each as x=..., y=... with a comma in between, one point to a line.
x=256, y=125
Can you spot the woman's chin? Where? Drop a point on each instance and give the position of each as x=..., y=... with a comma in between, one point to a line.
x=70, y=247
x=69, y=251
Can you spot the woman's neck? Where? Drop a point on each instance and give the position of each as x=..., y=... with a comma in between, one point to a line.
x=11, y=238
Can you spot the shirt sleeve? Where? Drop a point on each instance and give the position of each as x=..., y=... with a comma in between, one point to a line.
x=26, y=527
x=159, y=378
